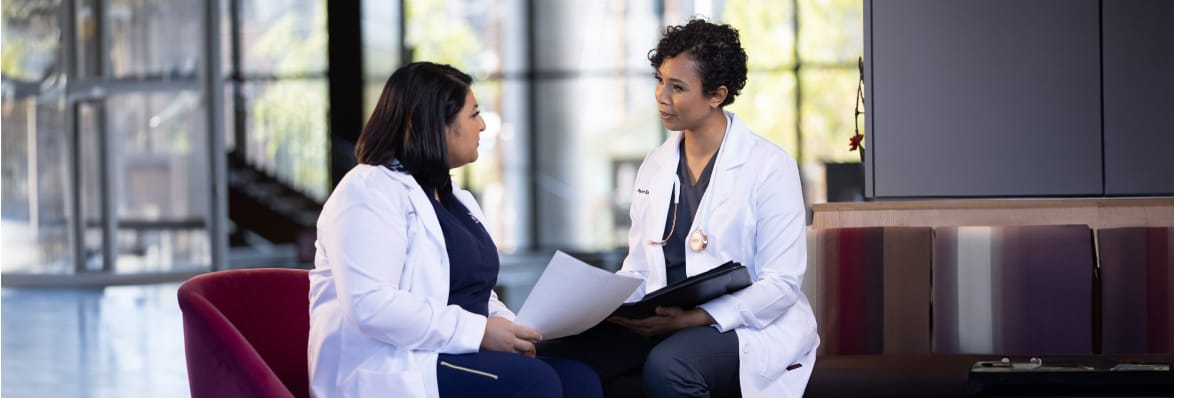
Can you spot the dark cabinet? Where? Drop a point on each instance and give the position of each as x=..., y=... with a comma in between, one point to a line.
x=1047, y=98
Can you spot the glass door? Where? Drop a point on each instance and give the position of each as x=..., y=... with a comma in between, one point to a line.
x=115, y=172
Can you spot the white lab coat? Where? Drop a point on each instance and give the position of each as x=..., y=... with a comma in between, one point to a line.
x=752, y=213
x=379, y=291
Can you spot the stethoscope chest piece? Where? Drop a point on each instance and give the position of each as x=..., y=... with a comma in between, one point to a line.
x=697, y=240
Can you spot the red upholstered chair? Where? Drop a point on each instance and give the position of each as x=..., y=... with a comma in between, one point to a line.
x=245, y=333
x=1136, y=289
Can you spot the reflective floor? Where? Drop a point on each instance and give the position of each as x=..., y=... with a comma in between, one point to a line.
x=119, y=341
x=128, y=341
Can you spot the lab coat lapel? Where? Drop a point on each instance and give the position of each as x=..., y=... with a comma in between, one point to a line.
x=665, y=164
x=735, y=149
x=423, y=207
x=731, y=156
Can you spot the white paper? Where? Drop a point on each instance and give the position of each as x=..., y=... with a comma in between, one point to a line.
x=572, y=296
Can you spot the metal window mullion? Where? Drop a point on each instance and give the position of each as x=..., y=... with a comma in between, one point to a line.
x=797, y=84
x=91, y=89
x=77, y=228
x=101, y=16
x=532, y=143
x=406, y=54
x=107, y=189
x=107, y=193
x=69, y=56
x=215, y=112
x=236, y=76
x=69, y=48
x=33, y=169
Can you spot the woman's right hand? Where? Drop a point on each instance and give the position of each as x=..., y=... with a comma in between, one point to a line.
x=503, y=335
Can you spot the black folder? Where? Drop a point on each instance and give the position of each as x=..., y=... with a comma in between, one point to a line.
x=691, y=292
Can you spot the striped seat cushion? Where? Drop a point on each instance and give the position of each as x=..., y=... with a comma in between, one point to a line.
x=1136, y=290
x=874, y=290
x=1017, y=290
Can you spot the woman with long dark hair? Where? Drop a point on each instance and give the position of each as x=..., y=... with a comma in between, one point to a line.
x=401, y=302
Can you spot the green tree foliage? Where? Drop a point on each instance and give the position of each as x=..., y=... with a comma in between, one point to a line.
x=767, y=103
x=289, y=117
x=435, y=34
x=830, y=42
x=30, y=38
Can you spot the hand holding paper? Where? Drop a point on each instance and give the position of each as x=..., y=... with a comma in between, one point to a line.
x=572, y=296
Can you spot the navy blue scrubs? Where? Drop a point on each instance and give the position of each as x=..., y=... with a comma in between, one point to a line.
x=474, y=269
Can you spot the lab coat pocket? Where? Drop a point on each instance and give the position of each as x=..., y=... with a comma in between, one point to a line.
x=784, y=343
x=369, y=383
x=638, y=204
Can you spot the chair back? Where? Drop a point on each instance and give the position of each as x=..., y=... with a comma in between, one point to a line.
x=245, y=333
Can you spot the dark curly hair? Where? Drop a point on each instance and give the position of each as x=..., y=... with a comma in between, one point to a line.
x=719, y=59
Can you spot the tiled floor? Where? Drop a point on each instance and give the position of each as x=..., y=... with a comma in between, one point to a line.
x=120, y=341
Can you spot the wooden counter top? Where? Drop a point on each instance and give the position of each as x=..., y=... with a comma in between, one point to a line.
x=1096, y=212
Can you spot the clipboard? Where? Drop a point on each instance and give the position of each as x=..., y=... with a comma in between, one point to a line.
x=689, y=293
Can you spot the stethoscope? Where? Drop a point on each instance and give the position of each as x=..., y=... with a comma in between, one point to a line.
x=697, y=240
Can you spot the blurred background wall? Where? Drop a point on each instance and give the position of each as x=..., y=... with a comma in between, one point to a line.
x=154, y=139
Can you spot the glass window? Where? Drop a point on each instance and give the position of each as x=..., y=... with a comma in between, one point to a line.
x=584, y=156
x=485, y=39
x=381, y=48
x=286, y=131
x=226, y=38
x=283, y=37
x=827, y=125
x=279, y=97
x=34, y=226
x=831, y=32
x=499, y=152
x=467, y=34
x=88, y=120
x=766, y=32
x=158, y=160
x=86, y=33
x=820, y=50
x=31, y=40
x=160, y=145
x=35, y=185
x=825, y=114
x=156, y=38
x=768, y=105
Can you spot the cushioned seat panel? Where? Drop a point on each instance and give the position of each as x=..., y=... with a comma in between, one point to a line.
x=1136, y=289
x=1013, y=290
x=875, y=290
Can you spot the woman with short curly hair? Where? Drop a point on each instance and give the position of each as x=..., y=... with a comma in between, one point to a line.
x=713, y=192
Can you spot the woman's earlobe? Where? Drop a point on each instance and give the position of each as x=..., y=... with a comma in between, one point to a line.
x=720, y=95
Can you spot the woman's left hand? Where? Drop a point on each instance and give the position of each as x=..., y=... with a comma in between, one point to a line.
x=666, y=321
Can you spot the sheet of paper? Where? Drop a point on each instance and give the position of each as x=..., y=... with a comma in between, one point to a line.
x=572, y=296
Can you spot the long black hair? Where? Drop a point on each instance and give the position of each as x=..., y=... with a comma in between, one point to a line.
x=719, y=58
x=409, y=123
